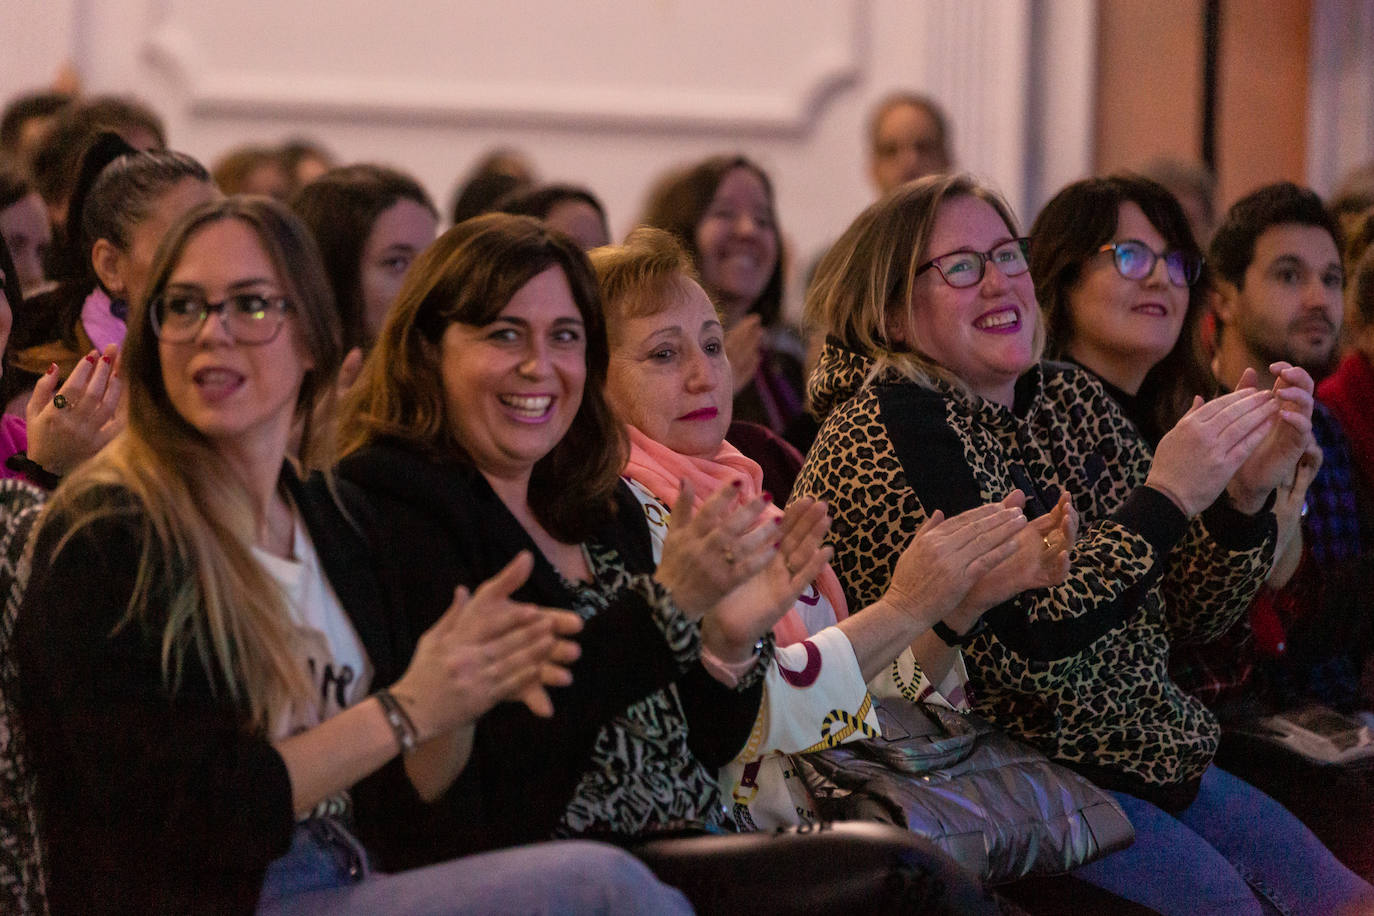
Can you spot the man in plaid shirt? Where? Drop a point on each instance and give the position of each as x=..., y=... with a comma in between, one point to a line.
x=1278, y=296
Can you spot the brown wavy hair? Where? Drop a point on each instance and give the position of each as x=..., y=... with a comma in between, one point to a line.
x=678, y=203
x=468, y=276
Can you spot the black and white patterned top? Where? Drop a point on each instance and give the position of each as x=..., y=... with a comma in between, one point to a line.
x=641, y=776
x=22, y=873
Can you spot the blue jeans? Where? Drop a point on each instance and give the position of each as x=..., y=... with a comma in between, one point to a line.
x=1231, y=844
x=326, y=872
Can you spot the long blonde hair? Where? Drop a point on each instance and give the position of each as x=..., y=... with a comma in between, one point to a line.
x=197, y=521
x=869, y=275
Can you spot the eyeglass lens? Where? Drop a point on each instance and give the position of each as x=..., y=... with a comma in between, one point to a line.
x=1136, y=261
x=965, y=268
x=249, y=317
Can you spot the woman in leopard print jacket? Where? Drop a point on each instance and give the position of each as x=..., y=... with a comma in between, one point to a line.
x=933, y=399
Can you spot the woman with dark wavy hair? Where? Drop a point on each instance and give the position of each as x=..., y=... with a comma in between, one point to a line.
x=371, y=222
x=478, y=430
x=1123, y=287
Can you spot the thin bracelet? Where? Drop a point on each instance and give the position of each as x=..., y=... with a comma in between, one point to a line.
x=396, y=717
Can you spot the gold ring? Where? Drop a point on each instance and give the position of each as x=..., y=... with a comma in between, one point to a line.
x=729, y=557
x=1048, y=545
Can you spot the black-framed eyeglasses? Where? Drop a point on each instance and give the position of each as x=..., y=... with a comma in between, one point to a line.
x=250, y=318
x=962, y=269
x=1135, y=261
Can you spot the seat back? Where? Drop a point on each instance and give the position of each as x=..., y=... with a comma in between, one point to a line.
x=817, y=870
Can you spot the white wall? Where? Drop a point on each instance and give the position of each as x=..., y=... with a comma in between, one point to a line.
x=608, y=94
x=1340, y=127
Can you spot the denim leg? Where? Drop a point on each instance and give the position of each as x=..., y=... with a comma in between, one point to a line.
x=564, y=877
x=321, y=856
x=1272, y=849
x=1169, y=868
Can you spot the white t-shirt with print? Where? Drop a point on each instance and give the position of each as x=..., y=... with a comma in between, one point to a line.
x=340, y=671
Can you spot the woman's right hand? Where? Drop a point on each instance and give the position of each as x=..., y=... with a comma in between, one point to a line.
x=947, y=556
x=485, y=649
x=740, y=619
x=708, y=552
x=1288, y=511
x=1198, y=457
x=744, y=349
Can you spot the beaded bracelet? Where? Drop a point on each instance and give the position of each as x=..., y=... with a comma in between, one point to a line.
x=396, y=717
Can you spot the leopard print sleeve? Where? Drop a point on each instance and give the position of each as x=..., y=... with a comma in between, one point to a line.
x=1212, y=567
x=1216, y=571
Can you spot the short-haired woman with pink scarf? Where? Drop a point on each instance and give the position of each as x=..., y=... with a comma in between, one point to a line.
x=669, y=380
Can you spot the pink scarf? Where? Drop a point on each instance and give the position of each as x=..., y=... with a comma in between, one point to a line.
x=659, y=469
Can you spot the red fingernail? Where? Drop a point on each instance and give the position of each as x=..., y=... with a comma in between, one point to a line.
x=106, y=359
x=778, y=521
x=777, y=545
x=736, y=483
x=767, y=497
x=91, y=358
x=52, y=368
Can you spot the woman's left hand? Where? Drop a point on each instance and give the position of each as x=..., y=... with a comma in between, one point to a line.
x=349, y=371
x=1288, y=510
x=1041, y=559
x=709, y=551
x=738, y=621
x=744, y=349
x=1275, y=462
x=60, y=438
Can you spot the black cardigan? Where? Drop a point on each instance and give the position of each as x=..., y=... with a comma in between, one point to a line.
x=438, y=526
x=155, y=803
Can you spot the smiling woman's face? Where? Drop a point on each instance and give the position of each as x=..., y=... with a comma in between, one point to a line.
x=513, y=386
x=985, y=333
x=738, y=242
x=669, y=377
x=1120, y=328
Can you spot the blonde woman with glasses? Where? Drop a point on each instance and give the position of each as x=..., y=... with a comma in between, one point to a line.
x=210, y=674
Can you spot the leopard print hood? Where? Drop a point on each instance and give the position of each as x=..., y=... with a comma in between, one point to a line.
x=840, y=374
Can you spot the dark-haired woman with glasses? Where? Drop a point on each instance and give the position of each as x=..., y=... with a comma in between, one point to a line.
x=210, y=672
x=934, y=398
x=1122, y=285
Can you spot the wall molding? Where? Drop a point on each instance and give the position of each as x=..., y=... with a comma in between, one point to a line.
x=826, y=69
